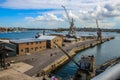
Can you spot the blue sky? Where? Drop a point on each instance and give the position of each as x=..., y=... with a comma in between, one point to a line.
x=50, y=14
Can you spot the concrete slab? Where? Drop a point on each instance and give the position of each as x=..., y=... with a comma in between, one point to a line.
x=21, y=67
x=11, y=74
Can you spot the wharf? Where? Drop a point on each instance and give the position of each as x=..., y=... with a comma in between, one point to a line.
x=50, y=59
x=108, y=64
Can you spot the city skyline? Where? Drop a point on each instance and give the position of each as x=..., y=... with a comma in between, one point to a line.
x=50, y=14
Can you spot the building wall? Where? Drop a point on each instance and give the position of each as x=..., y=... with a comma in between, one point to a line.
x=31, y=47
x=58, y=40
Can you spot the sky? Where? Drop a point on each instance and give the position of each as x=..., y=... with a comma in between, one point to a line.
x=51, y=14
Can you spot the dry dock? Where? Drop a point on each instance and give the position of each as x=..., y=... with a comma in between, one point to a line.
x=48, y=60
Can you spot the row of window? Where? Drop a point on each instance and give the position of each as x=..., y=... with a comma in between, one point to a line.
x=33, y=42
x=56, y=40
x=36, y=48
x=39, y=42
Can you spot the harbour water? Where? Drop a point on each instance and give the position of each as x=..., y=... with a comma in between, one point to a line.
x=32, y=33
x=102, y=52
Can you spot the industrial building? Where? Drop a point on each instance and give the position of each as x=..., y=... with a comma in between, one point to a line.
x=51, y=39
x=26, y=46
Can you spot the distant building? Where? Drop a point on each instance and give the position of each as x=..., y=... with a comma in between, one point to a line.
x=51, y=39
x=32, y=45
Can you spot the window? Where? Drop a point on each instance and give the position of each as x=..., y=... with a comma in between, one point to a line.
x=31, y=48
x=36, y=48
x=21, y=50
x=26, y=50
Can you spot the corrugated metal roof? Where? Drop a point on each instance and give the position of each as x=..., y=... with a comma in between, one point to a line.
x=44, y=37
x=26, y=40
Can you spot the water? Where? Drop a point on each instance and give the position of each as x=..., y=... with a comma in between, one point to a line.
x=19, y=35
x=102, y=53
x=32, y=33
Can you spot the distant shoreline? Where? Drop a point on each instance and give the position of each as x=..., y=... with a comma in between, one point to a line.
x=57, y=29
x=78, y=29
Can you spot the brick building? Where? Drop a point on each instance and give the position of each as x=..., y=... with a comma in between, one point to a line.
x=51, y=39
x=32, y=45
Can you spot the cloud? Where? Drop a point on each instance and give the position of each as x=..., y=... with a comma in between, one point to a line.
x=100, y=12
x=72, y=15
x=88, y=1
x=79, y=10
x=31, y=4
x=45, y=17
x=109, y=7
x=38, y=4
x=93, y=8
x=29, y=19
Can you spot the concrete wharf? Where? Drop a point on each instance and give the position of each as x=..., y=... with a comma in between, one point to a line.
x=50, y=59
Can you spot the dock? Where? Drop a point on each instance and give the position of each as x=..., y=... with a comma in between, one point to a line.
x=108, y=64
x=50, y=59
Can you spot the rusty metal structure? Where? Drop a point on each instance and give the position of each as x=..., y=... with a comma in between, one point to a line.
x=3, y=54
x=86, y=70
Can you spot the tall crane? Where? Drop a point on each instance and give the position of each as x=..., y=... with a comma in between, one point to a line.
x=72, y=29
x=99, y=32
x=97, y=23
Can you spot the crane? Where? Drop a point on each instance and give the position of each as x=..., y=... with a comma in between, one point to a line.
x=72, y=29
x=99, y=32
x=97, y=23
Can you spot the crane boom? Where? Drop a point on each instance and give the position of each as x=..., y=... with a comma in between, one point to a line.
x=97, y=23
x=72, y=31
x=66, y=53
x=67, y=14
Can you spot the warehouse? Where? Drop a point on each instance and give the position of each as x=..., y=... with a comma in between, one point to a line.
x=51, y=39
x=28, y=46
